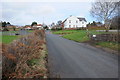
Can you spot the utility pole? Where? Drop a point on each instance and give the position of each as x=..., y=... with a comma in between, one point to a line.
x=43, y=19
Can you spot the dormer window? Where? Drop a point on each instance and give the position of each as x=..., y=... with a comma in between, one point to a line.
x=69, y=21
x=76, y=21
x=74, y=26
x=69, y=26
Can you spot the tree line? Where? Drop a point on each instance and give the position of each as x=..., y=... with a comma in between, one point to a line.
x=94, y=24
x=4, y=25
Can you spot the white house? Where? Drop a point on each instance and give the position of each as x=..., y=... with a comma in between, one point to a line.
x=49, y=26
x=27, y=27
x=74, y=22
x=38, y=26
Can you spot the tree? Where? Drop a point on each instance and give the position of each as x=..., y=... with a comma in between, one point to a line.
x=14, y=28
x=115, y=24
x=45, y=27
x=93, y=24
x=59, y=23
x=88, y=25
x=4, y=24
x=8, y=23
x=104, y=11
x=34, y=23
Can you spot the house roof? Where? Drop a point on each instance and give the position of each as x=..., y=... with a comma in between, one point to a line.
x=27, y=26
x=82, y=19
x=11, y=26
x=64, y=20
x=39, y=24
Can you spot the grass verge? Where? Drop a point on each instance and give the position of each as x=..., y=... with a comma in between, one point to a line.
x=111, y=45
x=77, y=35
x=81, y=36
x=65, y=31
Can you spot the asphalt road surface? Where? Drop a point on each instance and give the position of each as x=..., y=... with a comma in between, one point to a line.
x=69, y=59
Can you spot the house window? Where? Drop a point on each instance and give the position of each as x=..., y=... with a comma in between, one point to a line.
x=82, y=22
x=69, y=21
x=76, y=21
x=69, y=26
x=76, y=25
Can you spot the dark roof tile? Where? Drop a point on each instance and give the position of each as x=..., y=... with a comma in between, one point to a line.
x=82, y=19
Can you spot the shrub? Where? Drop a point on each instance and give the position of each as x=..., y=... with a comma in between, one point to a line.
x=5, y=29
x=81, y=28
x=96, y=28
x=17, y=54
x=56, y=29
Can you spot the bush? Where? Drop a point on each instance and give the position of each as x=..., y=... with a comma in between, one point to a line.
x=96, y=28
x=56, y=29
x=5, y=29
x=81, y=28
x=17, y=54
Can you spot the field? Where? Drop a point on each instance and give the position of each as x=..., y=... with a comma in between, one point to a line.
x=81, y=36
x=30, y=30
x=7, y=38
x=12, y=31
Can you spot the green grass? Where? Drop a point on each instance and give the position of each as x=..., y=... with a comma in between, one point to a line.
x=81, y=36
x=30, y=30
x=77, y=35
x=12, y=31
x=111, y=45
x=33, y=62
x=9, y=32
x=7, y=38
x=64, y=31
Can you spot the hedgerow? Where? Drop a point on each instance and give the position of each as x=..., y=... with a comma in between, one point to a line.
x=17, y=55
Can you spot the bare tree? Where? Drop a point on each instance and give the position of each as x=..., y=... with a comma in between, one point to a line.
x=104, y=11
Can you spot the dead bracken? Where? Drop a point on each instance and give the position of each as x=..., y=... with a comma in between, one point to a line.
x=25, y=57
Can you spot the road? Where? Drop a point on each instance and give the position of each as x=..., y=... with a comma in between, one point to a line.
x=20, y=32
x=69, y=59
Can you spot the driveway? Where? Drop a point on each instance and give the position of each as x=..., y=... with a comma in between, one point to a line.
x=69, y=59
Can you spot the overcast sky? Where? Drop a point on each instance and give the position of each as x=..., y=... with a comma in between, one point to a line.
x=23, y=12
